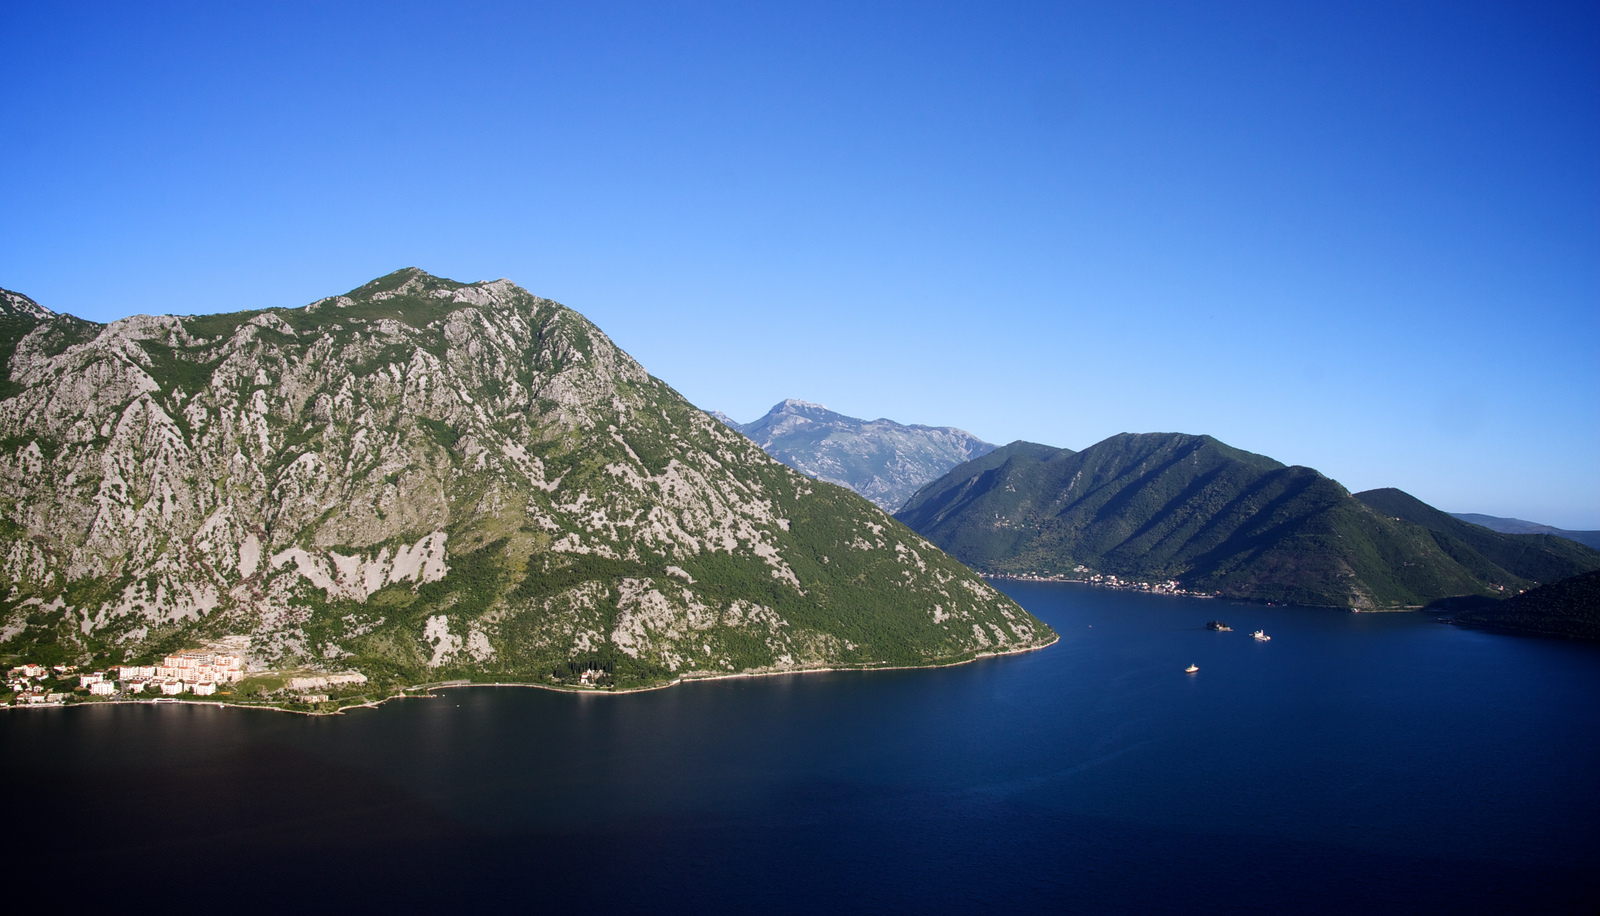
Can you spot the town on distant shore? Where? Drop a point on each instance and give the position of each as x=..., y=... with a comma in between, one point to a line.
x=1082, y=576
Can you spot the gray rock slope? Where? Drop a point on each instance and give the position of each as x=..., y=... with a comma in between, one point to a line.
x=882, y=460
x=425, y=479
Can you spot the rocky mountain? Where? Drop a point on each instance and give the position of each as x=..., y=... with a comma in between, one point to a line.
x=882, y=460
x=1165, y=506
x=424, y=479
x=1518, y=526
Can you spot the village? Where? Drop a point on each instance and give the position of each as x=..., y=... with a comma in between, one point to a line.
x=1081, y=576
x=197, y=674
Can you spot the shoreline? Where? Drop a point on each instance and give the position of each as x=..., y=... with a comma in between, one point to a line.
x=426, y=691
x=1400, y=609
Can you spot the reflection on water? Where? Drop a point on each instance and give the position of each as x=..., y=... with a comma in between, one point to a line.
x=1354, y=762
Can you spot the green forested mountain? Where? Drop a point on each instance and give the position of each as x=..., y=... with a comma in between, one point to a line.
x=424, y=479
x=1164, y=506
x=882, y=460
x=1535, y=558
x=1569, y=607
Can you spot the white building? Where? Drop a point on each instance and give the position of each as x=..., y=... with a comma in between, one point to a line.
x=202, y=666
x=102, y=688
x=204, y=689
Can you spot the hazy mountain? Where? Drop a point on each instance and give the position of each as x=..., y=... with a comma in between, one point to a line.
x=1570, y=607
x=1518, y=526
x=426, y=479
x=1170, y=506
x=882, y=460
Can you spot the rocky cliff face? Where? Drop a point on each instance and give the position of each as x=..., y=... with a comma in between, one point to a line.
x=882, y=460
x=423, y=479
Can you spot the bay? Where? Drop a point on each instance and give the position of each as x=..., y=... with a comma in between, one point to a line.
x=1374, y=762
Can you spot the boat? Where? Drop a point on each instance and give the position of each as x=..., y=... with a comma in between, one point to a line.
x=1192, y=669
x=1261, y=635
x=1219, y=626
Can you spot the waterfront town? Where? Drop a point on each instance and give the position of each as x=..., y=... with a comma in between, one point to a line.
x=1083, y=577
x=197, y=674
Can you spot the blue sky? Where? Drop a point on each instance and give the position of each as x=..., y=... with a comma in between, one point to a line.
x=1364, y=238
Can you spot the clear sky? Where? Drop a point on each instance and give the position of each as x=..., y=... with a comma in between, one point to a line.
x=1364, y=238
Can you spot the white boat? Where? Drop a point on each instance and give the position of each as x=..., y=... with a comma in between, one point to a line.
x=1261, y=635
x=1192, y=669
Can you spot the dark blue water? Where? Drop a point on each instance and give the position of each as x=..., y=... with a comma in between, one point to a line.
x=1354, y=763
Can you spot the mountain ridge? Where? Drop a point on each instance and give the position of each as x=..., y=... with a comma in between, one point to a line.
x=426, y=479
x=1522, y=526
x=883, y=460
x=1186, y=508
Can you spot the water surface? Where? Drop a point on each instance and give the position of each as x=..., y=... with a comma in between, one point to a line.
x=1355, y=762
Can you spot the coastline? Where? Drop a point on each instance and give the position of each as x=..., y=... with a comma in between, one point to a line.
x=427, y=691
x=1217, y=596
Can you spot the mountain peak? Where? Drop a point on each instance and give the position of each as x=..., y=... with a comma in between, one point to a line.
x=16, y=305
x=405, y=281
x=793, y=405
x=427, y=480
x=882, y=460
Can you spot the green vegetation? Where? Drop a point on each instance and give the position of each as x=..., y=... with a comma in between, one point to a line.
x=1569, y=608
x=1169, y=506
x=428, y=482
x=1489, y=555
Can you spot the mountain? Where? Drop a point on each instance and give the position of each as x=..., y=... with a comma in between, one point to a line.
x=882, y=460
x=1487, y=553
x=1169, y=506
x=424, y=479
x=1518, y=526
x=1570, y=607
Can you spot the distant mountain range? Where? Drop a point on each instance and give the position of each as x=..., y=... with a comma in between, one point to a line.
x=1518, y=526
x=882, y=460
x=1168, y=506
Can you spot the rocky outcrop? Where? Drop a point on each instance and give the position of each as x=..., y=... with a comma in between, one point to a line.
x=882, y=460
x=429, y=477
